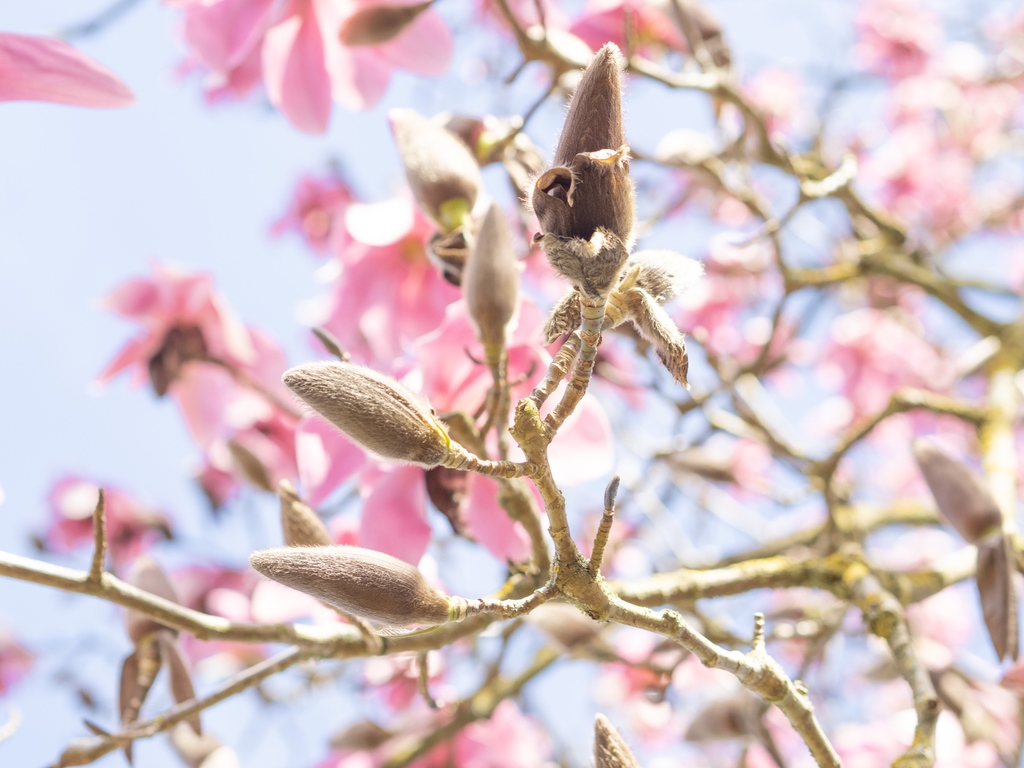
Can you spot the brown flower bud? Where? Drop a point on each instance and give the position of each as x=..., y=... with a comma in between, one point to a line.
x=302, y=527
x=960, y=494
x=442, y=172
x=374, y=410
x=490, y=280
x=376, y=24
x=610, y=749
x=589, y=187
x=363, y=582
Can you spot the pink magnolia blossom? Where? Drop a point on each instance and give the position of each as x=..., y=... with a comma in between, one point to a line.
x=395, y=679
x=132, y=528
x=604, y=21
x=300, y=54
x=778, y=94
x=718, y=309
x=224, y=376
x=388, y=293
x=176, y=300
x=508, y=739
x=871, y=354
x=923, y=178
x=394, y=514
x=15, y=661
x=896, y=38
x=219, y=591
x=318, y=206
x=325, y=458
x=47, y=69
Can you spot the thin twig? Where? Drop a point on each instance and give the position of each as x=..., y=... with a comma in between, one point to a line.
x=99, y=533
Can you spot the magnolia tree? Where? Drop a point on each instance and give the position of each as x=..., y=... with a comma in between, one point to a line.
x=525, y=438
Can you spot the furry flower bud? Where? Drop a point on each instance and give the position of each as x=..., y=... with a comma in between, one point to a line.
x=589, y=187
x=301, y=526
x=610, y=749
x=374, y=410
x=490, y=281
x=363, y=582
x=441, y=170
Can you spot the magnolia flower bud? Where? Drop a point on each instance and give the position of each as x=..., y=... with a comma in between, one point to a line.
x=302, y=526
x=374, y=410
x=363, y=582
x=376, y=24
x=960, y=494
x=589, y=187
x=490, y=280
x=610, y=749
x=442, y=172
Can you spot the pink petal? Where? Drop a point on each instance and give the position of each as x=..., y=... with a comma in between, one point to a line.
x=424, y=48
x=491, y=526
x=204, y=394
x=225, y=33
x=583, y=449
x=295, y=72
x=326, y=458
x=274, y=603
x=360, y=76
x=395, y=514
x=133, y=298
x=136, y=351
x=46, y=69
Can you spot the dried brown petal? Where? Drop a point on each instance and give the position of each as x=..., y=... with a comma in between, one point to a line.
x=177, y=669
x=997, y=592
x=364, y=734
x=302, y=527
x=359, y=581
x=610, y=749
x=378, y=24
x=374, y=410
x=960, y=493
x=709, y=30
x=149, y=577
x=725, y=719
x=703, y=463
x=565, y=624
x=442, y=172
x=448, y=490
x=490, y=280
